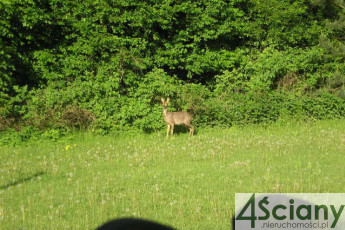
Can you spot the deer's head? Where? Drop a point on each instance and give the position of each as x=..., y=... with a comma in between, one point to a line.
x=165, y=103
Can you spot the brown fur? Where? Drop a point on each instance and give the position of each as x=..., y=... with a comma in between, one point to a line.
x=176, y=118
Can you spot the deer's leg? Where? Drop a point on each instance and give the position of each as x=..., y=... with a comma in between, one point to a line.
x=172, y=129
x=191, y=129
x=168, y=129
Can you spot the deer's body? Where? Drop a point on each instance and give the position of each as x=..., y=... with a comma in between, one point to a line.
x=176, y=118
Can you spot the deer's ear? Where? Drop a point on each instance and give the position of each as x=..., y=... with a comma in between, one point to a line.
x=162, y=100
x=168, y=99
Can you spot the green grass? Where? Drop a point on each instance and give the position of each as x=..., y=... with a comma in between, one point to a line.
x=189, y=183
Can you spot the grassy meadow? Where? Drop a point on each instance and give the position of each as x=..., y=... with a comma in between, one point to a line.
x=185, y=182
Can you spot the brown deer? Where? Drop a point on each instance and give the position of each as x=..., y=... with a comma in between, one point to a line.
x=176, y=118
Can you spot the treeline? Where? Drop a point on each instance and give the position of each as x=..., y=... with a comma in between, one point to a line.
x=68, y=64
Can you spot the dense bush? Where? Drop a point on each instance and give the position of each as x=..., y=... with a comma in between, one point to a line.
x=104, y=65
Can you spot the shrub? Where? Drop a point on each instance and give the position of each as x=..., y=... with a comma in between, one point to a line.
x=75, y=117
x=6, y=122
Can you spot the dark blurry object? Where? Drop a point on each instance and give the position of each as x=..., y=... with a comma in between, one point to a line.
x=132, y=224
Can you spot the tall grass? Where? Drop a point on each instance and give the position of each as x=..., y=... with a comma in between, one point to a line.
x=188, y=183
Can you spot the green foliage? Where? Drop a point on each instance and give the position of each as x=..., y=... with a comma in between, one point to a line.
x=15, y=105
x=103, y=65
x=283, y=24
x=293, y=69
x=25, y=135
x=255, y=108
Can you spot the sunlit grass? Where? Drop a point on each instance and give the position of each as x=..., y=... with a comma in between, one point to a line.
x=188, y=183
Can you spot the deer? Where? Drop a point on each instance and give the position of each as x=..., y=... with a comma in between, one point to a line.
x=176, y=118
